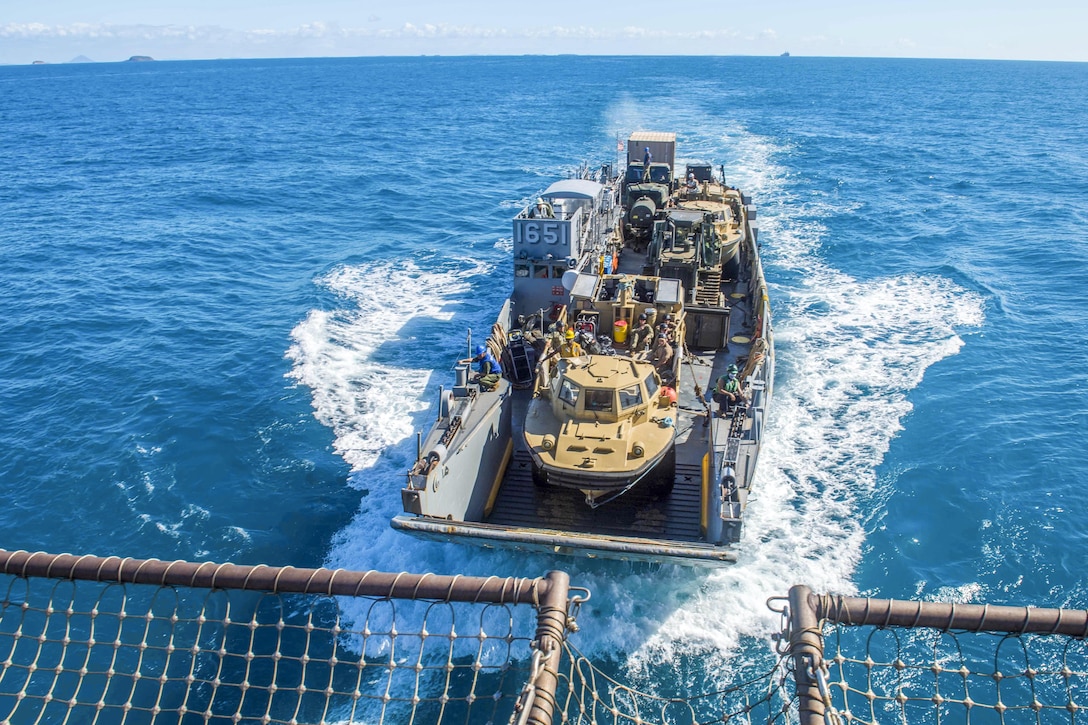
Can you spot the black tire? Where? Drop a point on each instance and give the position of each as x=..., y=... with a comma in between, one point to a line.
x=663, y=477
x=540, y=476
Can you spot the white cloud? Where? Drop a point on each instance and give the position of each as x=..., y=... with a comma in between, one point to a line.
x=320, y=29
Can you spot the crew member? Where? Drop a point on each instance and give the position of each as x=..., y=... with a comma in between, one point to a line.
x=662, y=354
x=668, y=329
x=727, y=392
x=490, y=372
x=640, y=334
x=571, y=348
x=486, y=364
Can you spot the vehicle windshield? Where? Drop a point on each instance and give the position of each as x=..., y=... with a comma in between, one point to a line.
x=599, y=401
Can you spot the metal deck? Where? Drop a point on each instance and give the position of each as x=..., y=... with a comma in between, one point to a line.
x=521, y=503
x=677, y=517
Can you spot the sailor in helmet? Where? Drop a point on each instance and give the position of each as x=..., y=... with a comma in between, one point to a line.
x=486, y=363
x=570, y=348
x=640, y=334
x=543, y=209
x=727, y=392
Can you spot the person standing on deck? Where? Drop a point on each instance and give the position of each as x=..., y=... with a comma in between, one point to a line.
x=647, y=157
x=571, y=348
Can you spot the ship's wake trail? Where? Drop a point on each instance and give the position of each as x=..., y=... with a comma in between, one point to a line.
x=374, y=364
x=368, y=363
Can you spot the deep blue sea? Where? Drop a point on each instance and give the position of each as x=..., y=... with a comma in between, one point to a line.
x=229, y=291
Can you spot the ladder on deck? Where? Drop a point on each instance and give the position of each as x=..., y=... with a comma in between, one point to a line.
x=708, y=292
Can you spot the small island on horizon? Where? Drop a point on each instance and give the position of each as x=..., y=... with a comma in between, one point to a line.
x=85, y=59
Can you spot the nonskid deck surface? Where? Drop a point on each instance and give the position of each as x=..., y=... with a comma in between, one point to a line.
x=521, y=503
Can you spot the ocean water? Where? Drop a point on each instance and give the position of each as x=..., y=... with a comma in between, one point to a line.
x=231, y=289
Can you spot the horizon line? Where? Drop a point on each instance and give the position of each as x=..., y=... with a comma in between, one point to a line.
x=785, y=55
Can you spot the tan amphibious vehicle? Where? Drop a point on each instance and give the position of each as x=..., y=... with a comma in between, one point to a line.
x=603, y=424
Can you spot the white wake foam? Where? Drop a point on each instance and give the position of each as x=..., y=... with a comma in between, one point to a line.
x=849, y=352
x=368, y=400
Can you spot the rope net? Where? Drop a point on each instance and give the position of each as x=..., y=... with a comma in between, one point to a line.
x=876, y=675
x=76, y=651
x=104, y=641
x=757, y=695
x=884, y=660
x=85, y=652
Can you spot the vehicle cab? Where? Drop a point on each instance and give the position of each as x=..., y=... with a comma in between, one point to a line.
x=600, y=423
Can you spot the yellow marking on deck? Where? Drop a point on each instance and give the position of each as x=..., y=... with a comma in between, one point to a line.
x=703, y=523
x=498, y=479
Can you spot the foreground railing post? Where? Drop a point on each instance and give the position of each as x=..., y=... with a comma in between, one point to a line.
x=807, y=650
x=538, y=703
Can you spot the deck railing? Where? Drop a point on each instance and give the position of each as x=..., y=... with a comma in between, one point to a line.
x=932, y=662
x=122, y=640
x=111, y=640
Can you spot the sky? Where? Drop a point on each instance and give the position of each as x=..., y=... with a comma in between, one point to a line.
x=58, y=31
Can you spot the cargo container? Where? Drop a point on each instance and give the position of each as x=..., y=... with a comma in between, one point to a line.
x=662, y=146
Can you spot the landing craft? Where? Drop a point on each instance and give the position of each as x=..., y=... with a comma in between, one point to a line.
x=638, y=364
